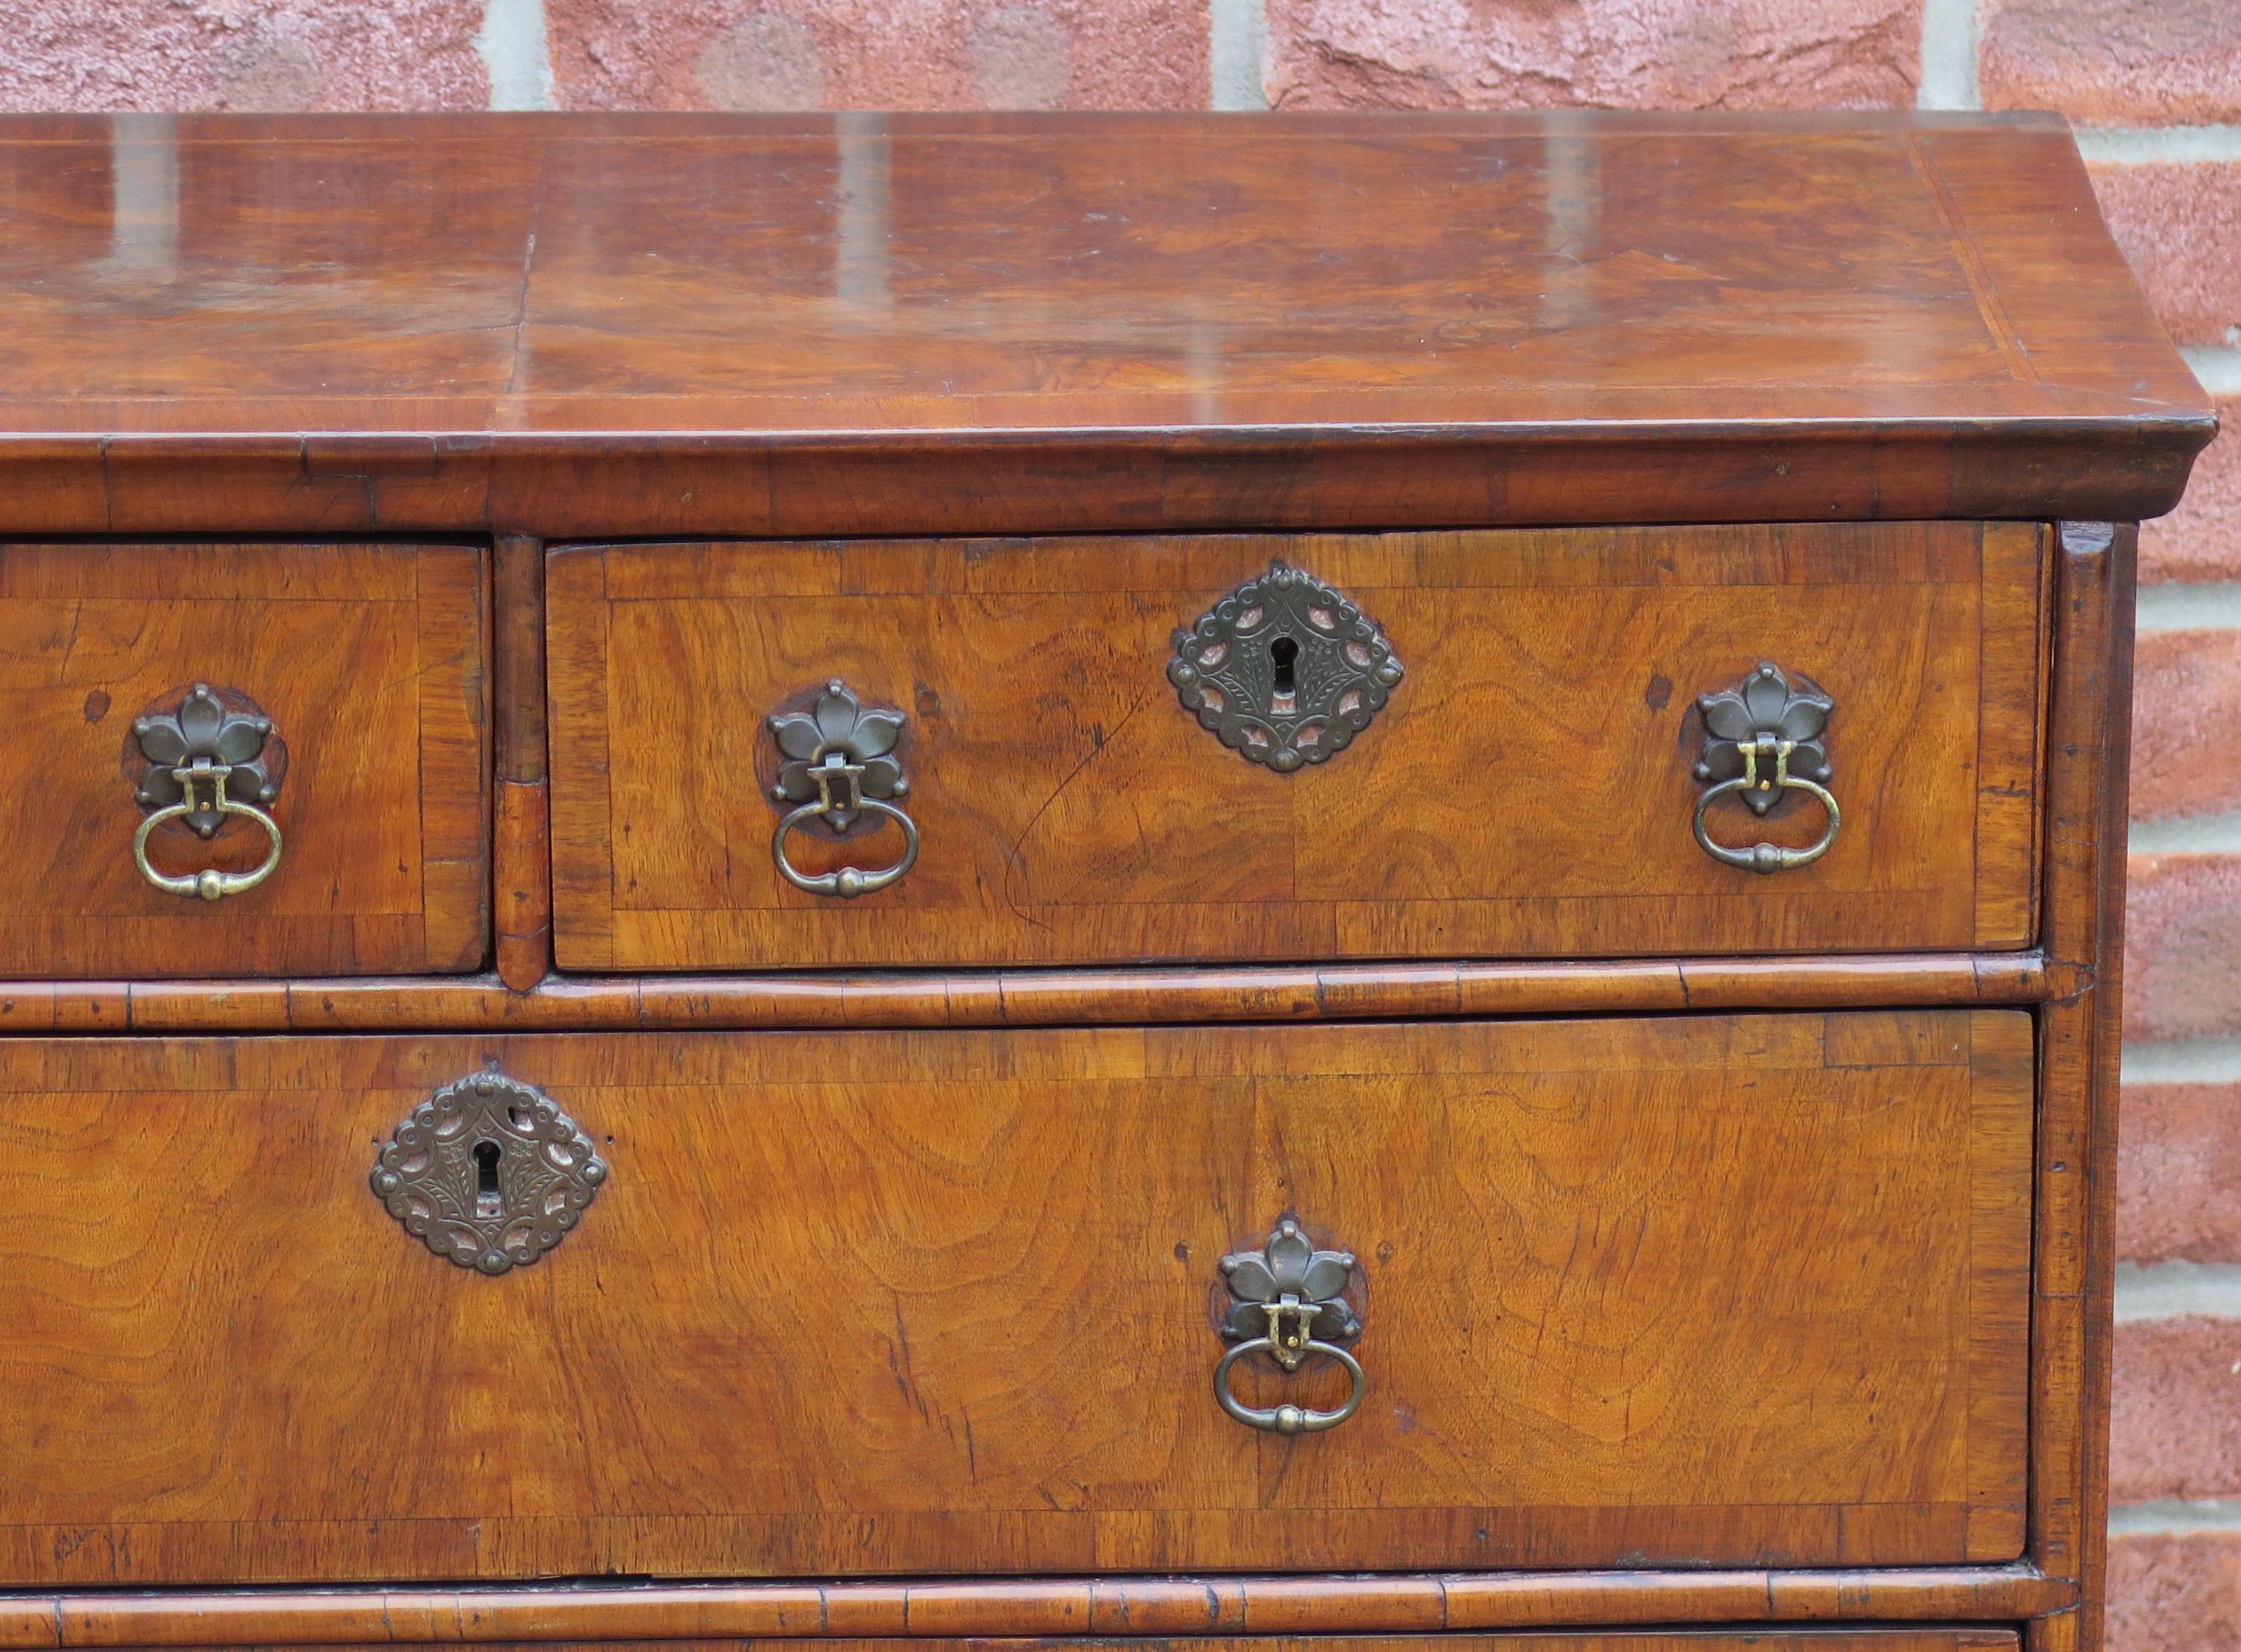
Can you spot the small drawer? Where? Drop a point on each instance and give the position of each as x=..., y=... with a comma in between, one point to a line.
x=1545, y=744
x=1743, y=1290
x=244, y=759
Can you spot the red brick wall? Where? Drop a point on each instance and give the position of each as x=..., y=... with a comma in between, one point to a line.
x=2155, y=86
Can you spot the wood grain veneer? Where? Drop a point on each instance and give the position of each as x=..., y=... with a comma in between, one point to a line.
x=587, y=324
x=369, y=660
x=1527, y=791
x=1702, y=1290
x=798, y=386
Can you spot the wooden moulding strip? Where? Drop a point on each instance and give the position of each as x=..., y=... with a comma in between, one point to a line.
x=2080, y=1037
x=521, y=869
x=1107, y=1606
x=1029, y=997
x=1153, y=478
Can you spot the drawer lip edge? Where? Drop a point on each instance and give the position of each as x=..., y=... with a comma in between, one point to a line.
x=1117, y=1605
x=1095, y=996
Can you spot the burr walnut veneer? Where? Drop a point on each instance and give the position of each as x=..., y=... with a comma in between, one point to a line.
x=1258, y=885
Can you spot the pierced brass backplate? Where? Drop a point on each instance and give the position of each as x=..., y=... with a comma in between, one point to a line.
x=840, y=767
x=1288, y=1301
x=1284, y=670
x=1763, y=739
x=203, y=757
x=489, y=1174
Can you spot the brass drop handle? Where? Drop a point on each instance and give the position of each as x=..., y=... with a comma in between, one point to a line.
x=1283, y=1295
x=839, y=767
x=1763, y=740
x=209, y=883
x=1290, y=1339
x=213, y=757
x=1768, y=857
x=839, y=788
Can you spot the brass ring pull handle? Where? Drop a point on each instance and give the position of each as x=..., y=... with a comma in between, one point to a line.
x=839, y=767
x=1282, y=1294
x=849, y=881
x=1763, y=739
x=211, y=756
x=1289, y=1419
x=210, y=884
x=1768, y=857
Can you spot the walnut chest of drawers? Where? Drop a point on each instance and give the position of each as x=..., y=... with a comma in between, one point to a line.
x=878, y=878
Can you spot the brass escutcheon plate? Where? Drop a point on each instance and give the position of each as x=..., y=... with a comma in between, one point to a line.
x=488, y=1172
x=1284, y=671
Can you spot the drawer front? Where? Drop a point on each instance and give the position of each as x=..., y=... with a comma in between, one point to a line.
x=336, y=690
x=1745, y=1290
x=1529, y=787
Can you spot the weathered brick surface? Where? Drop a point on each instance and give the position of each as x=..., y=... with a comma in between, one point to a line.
x=180, y=55
x=879, y=54
x=2183, y=947
x=2175, y=1410
x=2114, y=62
x=2174, y=1594
x=2180, y=226
x=2178, y=1173
x=2186, y=724
x=1619, y=53
x=2200, y=542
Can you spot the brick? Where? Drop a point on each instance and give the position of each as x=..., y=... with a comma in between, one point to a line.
x=879, y=54
x=2200, y=542
x=1612, y=54
x=2113, y=63
x=2178, y=225
x=162, y=56
x=2174, y=1594
x=2183, y=946
x=2186, y=724
x=2178, y=1173
x=2175, y=1410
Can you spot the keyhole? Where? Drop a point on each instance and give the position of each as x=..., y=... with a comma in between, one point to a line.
x=488, y=1200
x=1281, y=653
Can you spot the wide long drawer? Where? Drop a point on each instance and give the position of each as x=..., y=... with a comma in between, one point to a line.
x=1746, y=1290
x=1553, y=744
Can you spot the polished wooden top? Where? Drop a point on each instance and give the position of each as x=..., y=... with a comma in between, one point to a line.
x=488, y=287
